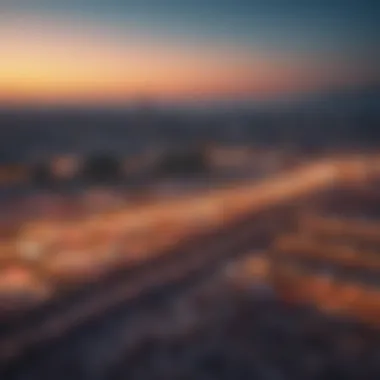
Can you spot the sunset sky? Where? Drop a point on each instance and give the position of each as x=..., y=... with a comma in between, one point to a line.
x=113, y=51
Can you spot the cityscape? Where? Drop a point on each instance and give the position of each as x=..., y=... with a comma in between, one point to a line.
x=189, y=190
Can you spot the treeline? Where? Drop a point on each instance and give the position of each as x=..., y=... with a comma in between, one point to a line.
x=338, y=121
x=108, y=169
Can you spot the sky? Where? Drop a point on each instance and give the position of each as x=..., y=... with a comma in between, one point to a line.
x=113, y=51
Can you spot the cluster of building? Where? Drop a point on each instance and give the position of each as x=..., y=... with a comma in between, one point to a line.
x=326, y=258
x=75, y=242
x=149, y=165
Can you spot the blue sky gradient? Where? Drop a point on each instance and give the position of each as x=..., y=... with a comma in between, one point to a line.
x=335, y=32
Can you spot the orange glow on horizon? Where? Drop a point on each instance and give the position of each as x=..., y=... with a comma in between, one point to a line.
x=51, y=62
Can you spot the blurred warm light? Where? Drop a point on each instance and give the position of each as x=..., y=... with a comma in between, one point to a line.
x=47, y=60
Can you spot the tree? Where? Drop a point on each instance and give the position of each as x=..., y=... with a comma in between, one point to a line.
x=188, y=162
x=102, y=168
x=41, y=174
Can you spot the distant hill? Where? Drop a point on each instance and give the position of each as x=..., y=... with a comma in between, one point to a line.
x=367, y=96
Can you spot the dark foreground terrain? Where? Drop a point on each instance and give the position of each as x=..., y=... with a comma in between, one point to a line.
x=212, y=331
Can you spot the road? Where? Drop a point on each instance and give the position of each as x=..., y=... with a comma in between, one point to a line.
x=68, y=322
x=171, y=273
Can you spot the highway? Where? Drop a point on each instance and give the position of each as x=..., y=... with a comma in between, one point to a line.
x=171, y=272
x=254, y=216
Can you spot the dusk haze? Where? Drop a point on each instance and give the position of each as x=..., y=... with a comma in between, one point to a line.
x=189, y=190
x=115, y=51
